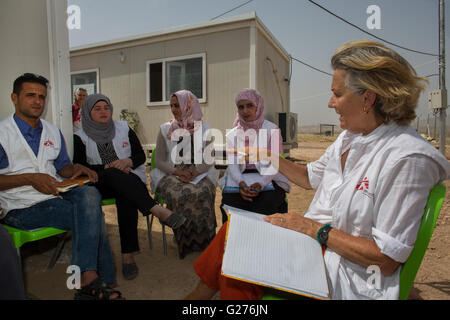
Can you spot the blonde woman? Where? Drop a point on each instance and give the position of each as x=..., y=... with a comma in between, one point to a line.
x=371, y=184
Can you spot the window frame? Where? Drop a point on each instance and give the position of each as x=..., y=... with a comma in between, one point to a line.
x=97, y=78
x=166, y=100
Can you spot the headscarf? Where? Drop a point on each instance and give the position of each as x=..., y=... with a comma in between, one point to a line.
x=257, y=100
x=190, y=112
x=101, y=133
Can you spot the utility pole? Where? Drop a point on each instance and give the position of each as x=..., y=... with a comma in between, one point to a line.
x=442, y=111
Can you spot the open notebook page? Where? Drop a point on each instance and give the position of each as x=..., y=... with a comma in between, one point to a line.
x=260, y=252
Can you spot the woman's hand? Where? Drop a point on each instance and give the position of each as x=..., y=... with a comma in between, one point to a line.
x=184, y=176
x=80, y=170
x=295, y=222
x=194, y=173
x=123, y=165
x=252, y=154
x=248, y=193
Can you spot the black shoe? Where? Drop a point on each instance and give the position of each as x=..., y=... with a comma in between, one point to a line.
x=130, y=270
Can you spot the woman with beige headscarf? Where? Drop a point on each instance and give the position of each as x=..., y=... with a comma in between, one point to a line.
x=180, y=159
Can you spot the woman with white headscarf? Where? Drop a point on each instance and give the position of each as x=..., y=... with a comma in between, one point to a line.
x=179, y=159
x=112, y=149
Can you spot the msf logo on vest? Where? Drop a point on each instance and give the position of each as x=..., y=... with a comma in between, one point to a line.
x=48, y=143
x=363, y=185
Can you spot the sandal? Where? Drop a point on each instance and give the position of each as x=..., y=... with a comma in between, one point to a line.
x=174, y=221
x=97, y=290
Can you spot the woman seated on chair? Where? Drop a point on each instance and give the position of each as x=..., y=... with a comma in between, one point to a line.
x=112, y=149
x=179, y=160
x=253, y=187
x=371, y=184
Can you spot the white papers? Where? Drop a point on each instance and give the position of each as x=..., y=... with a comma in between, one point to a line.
x=232, y=186
x=199, y=178
x=259, y=252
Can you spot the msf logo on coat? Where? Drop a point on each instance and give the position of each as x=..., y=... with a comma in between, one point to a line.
x=363, y=185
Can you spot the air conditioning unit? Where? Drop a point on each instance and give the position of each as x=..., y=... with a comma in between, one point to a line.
x=287, y=122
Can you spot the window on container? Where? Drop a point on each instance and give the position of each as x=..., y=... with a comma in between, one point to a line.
x=87, y=80
x=184, y=74
x=167, y=76
x=156, y=80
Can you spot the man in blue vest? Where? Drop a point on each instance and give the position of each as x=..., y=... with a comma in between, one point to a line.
x=33, y=156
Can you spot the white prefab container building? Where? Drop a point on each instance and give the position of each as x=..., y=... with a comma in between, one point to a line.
x=35, y=39
x=214, y=59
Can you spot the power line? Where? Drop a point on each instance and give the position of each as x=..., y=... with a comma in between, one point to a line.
x=310, y=66
x=372, y=35
x=241, y=5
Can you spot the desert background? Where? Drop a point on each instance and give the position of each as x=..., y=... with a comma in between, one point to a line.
x=169, y=278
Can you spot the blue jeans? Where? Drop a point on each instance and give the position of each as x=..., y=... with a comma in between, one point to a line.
x=80, y=211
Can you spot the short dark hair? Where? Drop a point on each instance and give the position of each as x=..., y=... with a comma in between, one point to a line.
x=28, y=77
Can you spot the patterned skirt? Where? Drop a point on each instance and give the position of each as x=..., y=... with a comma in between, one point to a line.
x=196, y=203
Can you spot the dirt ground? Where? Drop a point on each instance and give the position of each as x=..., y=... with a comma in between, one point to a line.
x=168, y=277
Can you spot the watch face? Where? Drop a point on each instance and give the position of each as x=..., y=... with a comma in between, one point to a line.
x=323, y=236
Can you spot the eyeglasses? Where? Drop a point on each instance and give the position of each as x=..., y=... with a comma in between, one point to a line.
x=35, y=76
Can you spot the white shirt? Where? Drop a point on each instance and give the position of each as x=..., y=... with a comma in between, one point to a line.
x=268, y=135
x=380, y=196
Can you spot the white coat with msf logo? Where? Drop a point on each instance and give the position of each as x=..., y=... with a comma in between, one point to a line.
x=380, y=195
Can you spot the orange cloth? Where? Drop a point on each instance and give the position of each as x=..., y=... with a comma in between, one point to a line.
x=209, y=265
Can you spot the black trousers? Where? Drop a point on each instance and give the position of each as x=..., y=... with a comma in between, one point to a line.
x=267, y=202
x=11, y=279
x=131, y=195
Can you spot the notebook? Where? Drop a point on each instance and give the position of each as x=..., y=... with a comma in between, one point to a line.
x=69, y=184
x=261, y=253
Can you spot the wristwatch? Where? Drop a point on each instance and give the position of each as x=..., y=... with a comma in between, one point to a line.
x=322, y=234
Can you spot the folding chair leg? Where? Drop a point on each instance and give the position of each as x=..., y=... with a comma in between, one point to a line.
x=57, y=251
x=149, y=232
x=164, y=239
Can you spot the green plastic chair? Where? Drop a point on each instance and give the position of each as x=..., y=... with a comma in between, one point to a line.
x=411, y=266
x=20, y=237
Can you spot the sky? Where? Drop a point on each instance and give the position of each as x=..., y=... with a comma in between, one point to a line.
x=307, y=32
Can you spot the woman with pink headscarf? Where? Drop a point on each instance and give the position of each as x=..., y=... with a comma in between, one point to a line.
x=246, y=185
x=180, y=161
